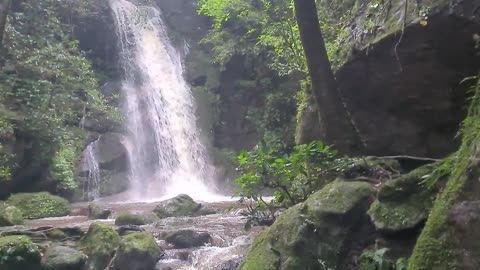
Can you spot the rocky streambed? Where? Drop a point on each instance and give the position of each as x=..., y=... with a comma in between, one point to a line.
x=174, y=234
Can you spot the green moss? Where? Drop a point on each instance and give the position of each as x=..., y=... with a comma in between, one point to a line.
x=96, y=212
x=403, y=203
x=302, y=237
x=182, y=205
x=18, y=253
x=126, y=218
x=137, y=251
x=10, y=215
x=57, y=234
x=406, y=214
x=100, y=244
x=40, y=205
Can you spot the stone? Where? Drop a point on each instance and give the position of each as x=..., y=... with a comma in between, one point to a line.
x=137, y=251
x=19, y=253
x=10, y=215
x=64, y=258
x=403, y=203
x=314, y=234
x=182, y=205
x=188, y=238
x=126, y=218
x=96, y=212
x=39, y=205
x=99, y=244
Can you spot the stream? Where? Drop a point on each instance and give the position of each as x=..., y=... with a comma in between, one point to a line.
x=228, y=244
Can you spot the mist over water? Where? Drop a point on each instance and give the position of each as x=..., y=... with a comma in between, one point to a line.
x=166, y=155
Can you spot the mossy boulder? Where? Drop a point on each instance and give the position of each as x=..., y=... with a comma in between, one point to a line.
x=137, y=251
x=19, y=253
x=64, y=258
x=313, y=234
x=39, y=205
x=97, y=212
x=126, y=218
x=403, y=203
x=10, y=215
x=99, y=244
x=182, y=205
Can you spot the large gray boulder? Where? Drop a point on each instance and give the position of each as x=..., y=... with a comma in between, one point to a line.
x=64, y=258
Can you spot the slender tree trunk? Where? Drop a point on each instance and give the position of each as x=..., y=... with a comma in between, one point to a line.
x=4, y=8
x=335, y=122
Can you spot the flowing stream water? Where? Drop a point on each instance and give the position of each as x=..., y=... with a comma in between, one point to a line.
x=165, y=152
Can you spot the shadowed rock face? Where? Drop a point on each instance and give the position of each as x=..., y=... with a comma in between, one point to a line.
x=413, y=104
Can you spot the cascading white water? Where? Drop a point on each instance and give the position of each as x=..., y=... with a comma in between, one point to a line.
x=166, y=155
x=91, y=187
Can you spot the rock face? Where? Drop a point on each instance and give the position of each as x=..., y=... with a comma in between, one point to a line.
x=182, y=205
x=137, y=251
x=19, y=253
x=40, y=205
x=403, y=203
x=112, y=158
x=313, y=234
x=188, y=239
x=64, y=258
x=419, y=102
x=10, y=215
x=99, y=244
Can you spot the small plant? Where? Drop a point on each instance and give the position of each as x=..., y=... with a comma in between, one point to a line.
x=377, y=260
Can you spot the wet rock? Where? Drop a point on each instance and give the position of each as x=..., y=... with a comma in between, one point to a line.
x=99, y=244
x=314, y=234
x=466, y=216
x=64, y=258
x=182, y=205
x=39, y=205
x=127, y=218
x=10, y=215
x=126, y=229
x=19, y=253
x=403, y=203
x=137, y=251
x=188, y=238
x=96, y=212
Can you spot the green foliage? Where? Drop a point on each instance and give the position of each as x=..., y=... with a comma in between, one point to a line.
x=19, y=253
x=39, y=205
x=292, y=177
x=10, y=215
x=50, y=84
x=377, y=260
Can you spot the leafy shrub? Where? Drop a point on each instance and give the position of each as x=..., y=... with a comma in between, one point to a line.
x=377, y=260
x=40, y=205
x=292, y=177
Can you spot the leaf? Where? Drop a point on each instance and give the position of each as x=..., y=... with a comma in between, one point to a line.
x=423, y=23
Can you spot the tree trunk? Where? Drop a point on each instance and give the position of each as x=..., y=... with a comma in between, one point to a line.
x=4, y=8
x=335, y=122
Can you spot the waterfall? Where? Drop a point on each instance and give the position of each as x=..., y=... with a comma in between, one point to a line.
x=165, y=152
x=91, y=187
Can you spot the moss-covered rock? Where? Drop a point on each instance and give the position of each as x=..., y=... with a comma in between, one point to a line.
x=137, y=251
x=126, y=218
x=99, y=244
x=403, y=203
x=40, y=205
x=10, y=215
x=19, y=253
x=182, y=205
x=313, y=234
x=97, y=212
x=64, y=258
